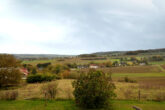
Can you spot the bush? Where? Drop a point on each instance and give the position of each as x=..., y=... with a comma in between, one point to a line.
x=40, y=78
x=50, y=90
x=59, y=69
x=9, y=95
x=94, y=90
x=65, y=74
x=128, y=80
x=34, y=71
x=156, y=58
x=70, y=75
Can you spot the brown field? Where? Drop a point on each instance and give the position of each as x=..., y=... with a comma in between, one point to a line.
x=151, y=88
x=135, y=69
x=130, y=69
x=163, y=66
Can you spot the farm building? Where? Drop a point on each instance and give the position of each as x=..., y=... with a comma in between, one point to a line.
x=94, y=66
x=82, y=66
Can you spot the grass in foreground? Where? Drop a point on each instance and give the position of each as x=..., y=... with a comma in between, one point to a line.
x=70, y=105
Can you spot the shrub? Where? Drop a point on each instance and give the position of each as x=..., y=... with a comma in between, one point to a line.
x=65, y=74
x=40, y=78
x=9, y=95
x=59, y=68
x=156, y=58
x=94, y=90
x=128, y=80
x=34, y=71
x=70, y=75
x=49, y=90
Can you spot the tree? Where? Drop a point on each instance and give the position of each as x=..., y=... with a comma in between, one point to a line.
x=133, y=59
x=9, y=72
x=157, y=58
x=9, y=77
x=7, y=60
x=95, y=90
x=44, y=65
x=108, y=64
x=132, y=53
x=34, y=71
x=115, y=63
x=59, y=68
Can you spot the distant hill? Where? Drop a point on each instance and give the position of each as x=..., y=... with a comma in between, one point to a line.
x=108, y=53
x=39, y=56
x=135, y=52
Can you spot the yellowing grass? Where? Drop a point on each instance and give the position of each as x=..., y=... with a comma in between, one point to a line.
x=123, y=90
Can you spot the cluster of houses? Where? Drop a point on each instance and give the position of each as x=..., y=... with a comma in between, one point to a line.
x=94, y=66
x=25, y=71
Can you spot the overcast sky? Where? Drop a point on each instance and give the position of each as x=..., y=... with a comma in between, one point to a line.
x=80, y=26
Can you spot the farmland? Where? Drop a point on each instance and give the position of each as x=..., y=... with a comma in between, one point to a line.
x=140, y=85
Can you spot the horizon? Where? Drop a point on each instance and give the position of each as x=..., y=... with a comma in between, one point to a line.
x=80, y=27
x=78, y=54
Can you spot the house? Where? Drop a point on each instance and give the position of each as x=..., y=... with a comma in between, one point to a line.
x=142, y=64
x=93, y=66
x=25, y=72
x=82, y=66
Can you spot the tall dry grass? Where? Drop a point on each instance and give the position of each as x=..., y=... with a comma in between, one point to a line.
x=9, y=95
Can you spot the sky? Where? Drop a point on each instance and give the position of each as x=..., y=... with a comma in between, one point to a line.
x=80, y=26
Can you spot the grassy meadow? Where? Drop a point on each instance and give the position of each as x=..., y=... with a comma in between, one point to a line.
x=125, y=91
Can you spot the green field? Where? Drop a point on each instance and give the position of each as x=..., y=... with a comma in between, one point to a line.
x=157, y=62
x=137, y=75
x=70, y=105
x=38, y=61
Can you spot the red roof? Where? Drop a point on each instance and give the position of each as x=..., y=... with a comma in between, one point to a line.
x=93, y=65
x=24, y=71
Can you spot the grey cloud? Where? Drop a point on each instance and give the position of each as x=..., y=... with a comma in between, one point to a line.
x=101, y=25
